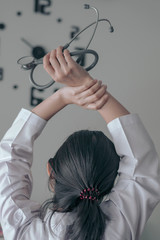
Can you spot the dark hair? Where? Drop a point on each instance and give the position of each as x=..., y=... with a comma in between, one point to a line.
x=87, y=159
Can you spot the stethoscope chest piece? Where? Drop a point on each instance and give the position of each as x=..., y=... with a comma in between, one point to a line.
x=30, y=63
x=26, y=62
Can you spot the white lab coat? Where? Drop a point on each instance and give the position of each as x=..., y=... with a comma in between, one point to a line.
x=130, y=203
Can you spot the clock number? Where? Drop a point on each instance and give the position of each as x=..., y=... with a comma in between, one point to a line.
x=74, y=32
x=34, y=101
x=1, y=74
x=15, y=86
x=2, y=26
x=41, y=5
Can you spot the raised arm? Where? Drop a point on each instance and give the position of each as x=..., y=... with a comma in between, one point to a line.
x=112, y=109
x=91, y=95
x=62, y=68
x=81, y=88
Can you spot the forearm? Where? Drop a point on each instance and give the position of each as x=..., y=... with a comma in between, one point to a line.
x=50, y=106
x=112, y=109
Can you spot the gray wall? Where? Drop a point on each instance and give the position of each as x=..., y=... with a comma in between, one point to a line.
x=128, y=64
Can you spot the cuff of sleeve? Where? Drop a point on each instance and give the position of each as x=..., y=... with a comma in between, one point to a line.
x=33, y=119
x=125, y=120
x=26, y=123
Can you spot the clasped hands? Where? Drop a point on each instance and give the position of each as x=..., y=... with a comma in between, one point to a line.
x=81, y=88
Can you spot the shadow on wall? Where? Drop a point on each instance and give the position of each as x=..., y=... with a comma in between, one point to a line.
x=149, y=232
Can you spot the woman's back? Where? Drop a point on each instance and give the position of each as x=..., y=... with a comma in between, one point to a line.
x=129, y=204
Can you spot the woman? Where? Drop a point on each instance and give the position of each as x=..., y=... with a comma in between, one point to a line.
x=83, y=171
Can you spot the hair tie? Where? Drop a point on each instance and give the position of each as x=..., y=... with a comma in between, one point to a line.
x=90, y=193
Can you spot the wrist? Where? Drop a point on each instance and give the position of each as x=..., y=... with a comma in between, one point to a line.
x=50, y=106
x=88, y=80
x=112, y=109
x=64, y=96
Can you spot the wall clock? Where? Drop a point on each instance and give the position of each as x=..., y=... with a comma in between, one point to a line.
x=31, y=28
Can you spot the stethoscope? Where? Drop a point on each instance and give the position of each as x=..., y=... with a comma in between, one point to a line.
x=30, y=63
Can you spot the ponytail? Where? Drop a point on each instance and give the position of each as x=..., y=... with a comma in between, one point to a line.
x=90, y=221
x=84, y=169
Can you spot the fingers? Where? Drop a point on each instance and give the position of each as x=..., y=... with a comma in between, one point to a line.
x=82, y=90
x=94, y=97
x=95, y=100
x=97, y=95
x=68, y=57
x=60, y=57
x=98, y=104
x=47, y=66
x=91, y=90
x=53, y=59
x=55, y=64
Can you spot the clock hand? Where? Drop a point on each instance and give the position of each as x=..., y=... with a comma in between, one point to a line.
x=37, y=51
x=27, y=43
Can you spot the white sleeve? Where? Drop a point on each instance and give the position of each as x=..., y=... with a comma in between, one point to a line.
x=137, y=190
x=16, y=152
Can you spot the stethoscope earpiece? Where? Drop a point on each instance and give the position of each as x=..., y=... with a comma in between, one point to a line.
x=111, y=29
x=86, y=6
x=30, y=63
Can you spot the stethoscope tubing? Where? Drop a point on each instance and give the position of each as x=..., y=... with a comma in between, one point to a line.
x=31, y=65
x=75, y=53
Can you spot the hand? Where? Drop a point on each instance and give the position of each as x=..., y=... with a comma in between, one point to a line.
x=62, y=68
x=92, y=95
